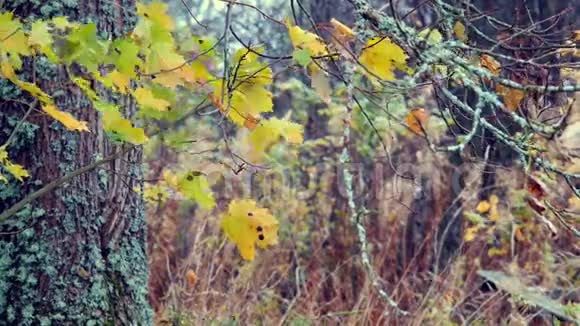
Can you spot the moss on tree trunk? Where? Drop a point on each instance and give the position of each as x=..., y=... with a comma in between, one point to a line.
x=76, y=255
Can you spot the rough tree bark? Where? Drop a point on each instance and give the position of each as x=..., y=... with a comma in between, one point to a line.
x=76, y=255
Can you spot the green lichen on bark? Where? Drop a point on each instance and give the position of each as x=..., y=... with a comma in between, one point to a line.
x=76, y=255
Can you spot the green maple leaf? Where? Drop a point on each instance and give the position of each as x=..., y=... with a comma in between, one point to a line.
x=302, y=57
x=125, y=56
x=83, y=47
x=194, y=186
x=39, y=34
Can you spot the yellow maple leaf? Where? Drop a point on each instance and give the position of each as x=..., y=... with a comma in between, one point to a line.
x=381, y=57
x=302, y=39
x=17, y=170
x=65, y=118
x=7, y=71
x=247, y=97
x=483, y=207
x=342, y=32
x=245, y=104
x=12, y=37
x=196, y=72
x=119, y=127
x=120, y=80
x=163, y=57
x=34, y=91
x=156, y=12
x=267, y=132
x=248, y=225
x=249, y=69
x=145, y=98
x=123, y=129
x=169, y=79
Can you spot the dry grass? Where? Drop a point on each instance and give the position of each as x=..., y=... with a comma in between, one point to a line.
x=314, y=276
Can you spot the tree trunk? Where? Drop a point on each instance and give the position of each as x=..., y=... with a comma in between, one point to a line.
x=76, y=255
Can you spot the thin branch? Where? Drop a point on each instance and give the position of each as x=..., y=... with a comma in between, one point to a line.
x=59, y=182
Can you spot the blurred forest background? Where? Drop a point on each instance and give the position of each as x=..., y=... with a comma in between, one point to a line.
x=433, y=220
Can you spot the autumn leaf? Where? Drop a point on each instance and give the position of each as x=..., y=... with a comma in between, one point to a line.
x=3, y=153
x=124, y=55
x=84, y=47
x=7, y=71
x=302, y=39
x=39, y=35
x=17, y=170
x=195, y=186
x=156, y=12
x=117, y=80
x=536, y=187
x=483, y=207
x=519, y=235
x=341, y=32
x=490, y=207
x=489, y=63
x=196, y=72
x=119, y=128
x=34, y=91
x=416, y=120
x=156, y=194
x=248, y=97
x=70, y=122
x=302, y=57
x=146, y=99
x=164, y=58
x=267, y=132
x=12, y=37
x=190, y=278
x=511, y=96
x=432, y=36
x=381, y=57
x=248, y=225
x=459, y=31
